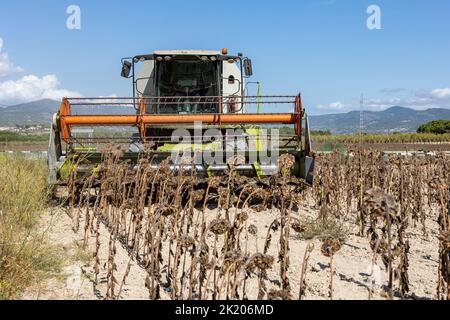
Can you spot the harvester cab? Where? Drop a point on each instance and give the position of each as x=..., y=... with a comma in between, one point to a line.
x=191, y=107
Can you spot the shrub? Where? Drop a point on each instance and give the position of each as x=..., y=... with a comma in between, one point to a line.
x=25, y=257
x=436, y=127
x=7, y=136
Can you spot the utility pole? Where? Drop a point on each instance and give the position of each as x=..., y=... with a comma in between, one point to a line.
x=361, y=171
x=361, y=119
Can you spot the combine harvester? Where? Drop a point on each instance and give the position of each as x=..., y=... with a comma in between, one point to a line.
x=198, y=95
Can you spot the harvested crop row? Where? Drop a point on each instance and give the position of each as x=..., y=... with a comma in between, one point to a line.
x=193, y=237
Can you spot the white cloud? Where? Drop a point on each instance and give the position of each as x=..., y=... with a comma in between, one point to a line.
x=441, y=93
x=437, y=98
x=28, y=88
x=32, y=88
x=337, y=105
x=380, y=104
x=392, y=90
x=6, y=66
x=420, y=99
x=332, y=106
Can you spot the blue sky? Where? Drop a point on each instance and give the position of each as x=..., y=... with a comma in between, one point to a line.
x=321, y=48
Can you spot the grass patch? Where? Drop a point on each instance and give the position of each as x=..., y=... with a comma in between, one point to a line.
x=383, y=138
x=25, y=256
x=81, y=254
x=324, y=228
x=332, y=146
x=7, y=136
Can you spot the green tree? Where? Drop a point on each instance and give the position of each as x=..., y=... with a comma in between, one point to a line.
x=436, y=127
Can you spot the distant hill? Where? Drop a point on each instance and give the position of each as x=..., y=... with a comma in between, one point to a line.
x=41, y=112
x=37, y=112
x=395, y=119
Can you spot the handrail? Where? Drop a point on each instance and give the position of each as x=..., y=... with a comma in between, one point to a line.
x=150, y=97
x=143, y=119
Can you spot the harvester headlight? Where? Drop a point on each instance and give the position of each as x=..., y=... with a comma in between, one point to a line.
x=204, y=58
x=159, y=59
x=213, y=58
x=167, y=58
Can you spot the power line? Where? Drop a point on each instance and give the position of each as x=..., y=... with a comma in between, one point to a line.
x=361, y=118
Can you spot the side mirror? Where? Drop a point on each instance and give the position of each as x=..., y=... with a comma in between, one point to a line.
x=126, y=69
x=248, y=68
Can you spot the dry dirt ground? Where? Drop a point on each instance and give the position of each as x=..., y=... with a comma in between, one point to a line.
x=23, y=146
x=351, y=265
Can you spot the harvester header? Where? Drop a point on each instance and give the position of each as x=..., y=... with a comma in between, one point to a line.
x=182, y=90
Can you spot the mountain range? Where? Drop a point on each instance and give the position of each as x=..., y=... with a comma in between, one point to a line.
x=395, y=119
x=37, y=112
x=41, y=112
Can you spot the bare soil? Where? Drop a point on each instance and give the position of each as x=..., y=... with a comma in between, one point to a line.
x=23, y=146
x=437, y=146
x=351, y=265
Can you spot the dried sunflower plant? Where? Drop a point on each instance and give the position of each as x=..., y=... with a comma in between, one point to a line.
x=191, y=234
x=199, y=237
